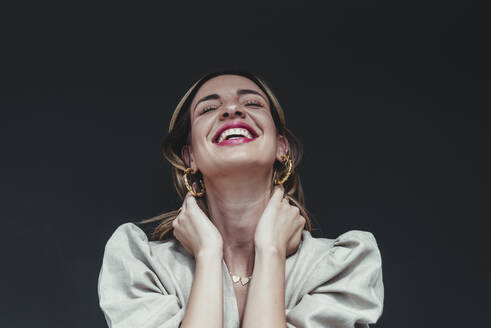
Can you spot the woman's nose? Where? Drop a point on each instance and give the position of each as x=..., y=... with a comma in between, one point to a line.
x=232, y=111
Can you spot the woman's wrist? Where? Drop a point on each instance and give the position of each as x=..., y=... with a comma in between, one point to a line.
x=210, y=254
x=269, y=251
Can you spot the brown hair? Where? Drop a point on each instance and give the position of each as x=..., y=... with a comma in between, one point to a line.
x=178, y=137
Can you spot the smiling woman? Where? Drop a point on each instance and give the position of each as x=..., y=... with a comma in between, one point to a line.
x=239, y=252
x=259, y=98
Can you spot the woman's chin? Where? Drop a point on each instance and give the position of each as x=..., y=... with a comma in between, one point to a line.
x=242, y=162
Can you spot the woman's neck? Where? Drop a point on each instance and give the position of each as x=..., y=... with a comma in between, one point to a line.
x=235, y=205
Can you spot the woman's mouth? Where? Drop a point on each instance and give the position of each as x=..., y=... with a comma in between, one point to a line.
x=235, y=141
x=234, y=133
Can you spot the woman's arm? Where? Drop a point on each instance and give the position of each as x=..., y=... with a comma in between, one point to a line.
x=205, y=304
x=265, y=305
x=278, y=234
x=200, y=238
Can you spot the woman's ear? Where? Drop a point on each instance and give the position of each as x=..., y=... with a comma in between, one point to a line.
x=187, y=157
x=282, y=148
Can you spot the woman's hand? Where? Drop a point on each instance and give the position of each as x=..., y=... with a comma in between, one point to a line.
x=194, y=230
x=281, y=225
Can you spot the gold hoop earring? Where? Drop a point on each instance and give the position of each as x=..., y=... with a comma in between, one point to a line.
x=287, y=161
x=188, y=186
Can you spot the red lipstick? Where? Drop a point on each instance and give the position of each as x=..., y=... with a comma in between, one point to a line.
x=233, y=125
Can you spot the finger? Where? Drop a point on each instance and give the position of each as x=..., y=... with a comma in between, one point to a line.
x=285, y=204
x=174, y=223
x=278, y=192
x=190, y=201
x=296, y=211
x=183, y=205
x=303, y=221
x=186, y=200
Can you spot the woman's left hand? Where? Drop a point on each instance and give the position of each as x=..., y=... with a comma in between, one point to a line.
x=281, y=225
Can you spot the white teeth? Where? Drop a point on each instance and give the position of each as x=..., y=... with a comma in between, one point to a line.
x=237, y=131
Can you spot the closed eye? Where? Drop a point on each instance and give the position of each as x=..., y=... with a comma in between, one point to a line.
x=253, y=103
x=208, y=108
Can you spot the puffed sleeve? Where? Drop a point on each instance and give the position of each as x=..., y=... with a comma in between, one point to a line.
x=344, y=288
x=130, y=292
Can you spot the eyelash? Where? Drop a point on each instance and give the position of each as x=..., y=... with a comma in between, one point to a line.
x=253, y=102
x=249, y=102
x=208, y=108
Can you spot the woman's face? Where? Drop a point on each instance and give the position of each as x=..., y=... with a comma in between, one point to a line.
x=232, y=127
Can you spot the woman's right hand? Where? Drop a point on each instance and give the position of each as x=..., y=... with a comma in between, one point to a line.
x=195, y=231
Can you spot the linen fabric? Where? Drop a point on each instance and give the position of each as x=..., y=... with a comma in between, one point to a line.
x=328, y=282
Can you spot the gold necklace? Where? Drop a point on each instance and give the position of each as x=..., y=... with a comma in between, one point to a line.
x=243, y=280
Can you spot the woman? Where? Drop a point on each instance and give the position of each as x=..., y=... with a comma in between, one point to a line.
x=240, y=252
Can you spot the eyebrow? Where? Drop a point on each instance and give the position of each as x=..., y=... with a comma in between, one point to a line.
x=249, y=91
x=212, y=96
x=239, y=92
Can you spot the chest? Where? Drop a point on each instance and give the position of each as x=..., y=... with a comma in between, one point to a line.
x=241, y=298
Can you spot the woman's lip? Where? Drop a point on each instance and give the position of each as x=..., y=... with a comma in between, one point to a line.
x=235, y=141
x=233, y=125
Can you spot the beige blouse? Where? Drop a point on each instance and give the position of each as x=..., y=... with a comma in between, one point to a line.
x=329, y=282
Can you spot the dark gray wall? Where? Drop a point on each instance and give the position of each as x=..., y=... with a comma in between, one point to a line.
x=389, y=99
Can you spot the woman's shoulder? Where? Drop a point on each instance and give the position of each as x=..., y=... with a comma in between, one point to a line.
x=137, y=231
x=127, y=235
x=321, y=259
x=131, y=238
x=349, y=264
x=353, y=240
x=337, y=279
x=137, y=282
x=354, y=254
x=127, y=232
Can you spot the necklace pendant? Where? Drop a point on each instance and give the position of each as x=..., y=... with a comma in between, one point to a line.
x=235, y=278
x=244, y=280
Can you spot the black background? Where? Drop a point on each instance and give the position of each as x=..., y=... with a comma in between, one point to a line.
x=389, y=98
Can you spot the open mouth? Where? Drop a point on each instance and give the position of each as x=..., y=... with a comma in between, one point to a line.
x=234, y=133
